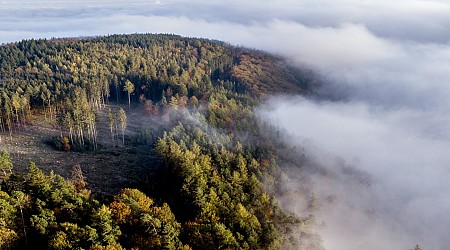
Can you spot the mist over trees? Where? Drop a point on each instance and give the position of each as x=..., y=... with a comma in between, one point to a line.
x=220, y=172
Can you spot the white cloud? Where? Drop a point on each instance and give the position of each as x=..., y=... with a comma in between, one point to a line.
x=407, y=199
x=414, y=20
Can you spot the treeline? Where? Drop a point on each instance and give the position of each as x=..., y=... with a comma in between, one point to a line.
x=211, y=193
x=218, y=194
x=65, y=76
x=212, y=198
x=42, y=211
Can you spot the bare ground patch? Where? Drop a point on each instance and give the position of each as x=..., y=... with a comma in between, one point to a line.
x=107, y=170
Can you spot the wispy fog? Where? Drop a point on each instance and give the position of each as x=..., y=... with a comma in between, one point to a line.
x=380, y=175
x=376, y=144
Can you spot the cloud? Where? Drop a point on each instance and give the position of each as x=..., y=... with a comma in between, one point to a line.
x=377, y=141
x=417, y=20
x=385, y=123
x=389, y=180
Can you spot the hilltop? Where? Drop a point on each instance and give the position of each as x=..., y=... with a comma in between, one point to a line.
x=168, y=115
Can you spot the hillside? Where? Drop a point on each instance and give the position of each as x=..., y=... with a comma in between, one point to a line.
x=168, y=115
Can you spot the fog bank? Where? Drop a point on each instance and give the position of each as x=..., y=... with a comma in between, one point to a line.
x=380, y=183
x=376, y=140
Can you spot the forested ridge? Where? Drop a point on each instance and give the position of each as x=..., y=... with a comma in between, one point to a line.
x=217, y=169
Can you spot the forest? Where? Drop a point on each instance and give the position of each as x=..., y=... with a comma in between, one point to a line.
x=180, y=110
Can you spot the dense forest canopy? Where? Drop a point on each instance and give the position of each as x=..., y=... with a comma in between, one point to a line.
x=219, y=169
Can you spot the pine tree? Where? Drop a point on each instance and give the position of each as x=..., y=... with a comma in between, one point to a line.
x=111, y=123
x=129, y=88
x=108, y=231
x=5, y=163
x=123, y=123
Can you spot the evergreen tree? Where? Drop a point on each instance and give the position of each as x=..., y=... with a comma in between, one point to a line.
x=129, y=88
x=6, y=165
x=122, y=116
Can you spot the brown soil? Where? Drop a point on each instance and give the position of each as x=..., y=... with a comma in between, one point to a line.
x=107, y=170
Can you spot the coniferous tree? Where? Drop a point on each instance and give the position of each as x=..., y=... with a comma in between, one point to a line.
x=6, y=165
x=122, y=117
x=129, y=88
x=111, y=123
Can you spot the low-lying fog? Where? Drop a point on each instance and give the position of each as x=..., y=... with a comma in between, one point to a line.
x=381, y=176
x=377, y=141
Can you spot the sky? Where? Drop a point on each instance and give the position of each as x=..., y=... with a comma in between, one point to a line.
x=378, y=139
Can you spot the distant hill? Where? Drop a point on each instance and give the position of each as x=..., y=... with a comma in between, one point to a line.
x=170, y=115
x=152, y=62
